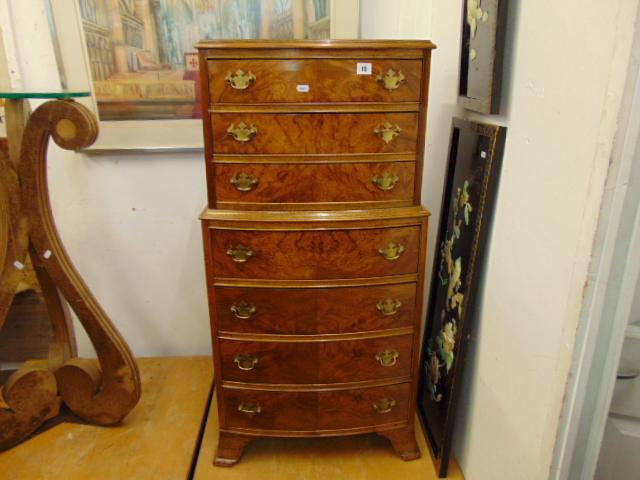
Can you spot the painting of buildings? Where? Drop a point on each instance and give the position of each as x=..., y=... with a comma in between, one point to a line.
x=142, y=56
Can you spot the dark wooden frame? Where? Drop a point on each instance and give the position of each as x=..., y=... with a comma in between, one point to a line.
x=480, y=81
x=475, y=156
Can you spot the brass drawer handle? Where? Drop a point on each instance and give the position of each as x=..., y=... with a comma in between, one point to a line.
x=240, y=254
x=388, y=358
x=391, y=80
x=385, y=181
x=246, y=361
x=384, y=405
x=243, y=133
x=391, y=251
x=387, y=132
x=244, y=182
x=250, y=408
x=240, y=80
x=243, y=310
x=389, y=307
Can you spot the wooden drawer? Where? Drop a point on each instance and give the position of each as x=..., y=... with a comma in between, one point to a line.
x=313, y=133
x=329, y=80
x=315, y=362
x=319, y=183
x=315, y=311
x=315, y=411
x=314, y=255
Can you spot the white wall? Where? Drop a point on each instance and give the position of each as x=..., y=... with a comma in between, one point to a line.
x=405, y=19
x=562, y=92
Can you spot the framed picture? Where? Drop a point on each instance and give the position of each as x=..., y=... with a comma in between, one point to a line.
x=137, y=57
x=473, y=168
x=481, y=54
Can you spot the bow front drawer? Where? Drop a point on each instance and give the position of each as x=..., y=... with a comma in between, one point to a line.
x=313, y=255
x=379, y=184
x=254, y=80
x=316, y=411
x=314, y=133
x=314, y=311
x=316, y=362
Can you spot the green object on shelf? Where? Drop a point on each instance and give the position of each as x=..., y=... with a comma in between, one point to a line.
x=43, y=94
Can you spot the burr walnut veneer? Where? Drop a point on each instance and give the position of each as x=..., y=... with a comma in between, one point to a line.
x=314, y=237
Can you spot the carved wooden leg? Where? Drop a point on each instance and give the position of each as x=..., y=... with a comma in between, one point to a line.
x=31, y=394
x=404, y=442
x=102, y=394
x=230, y=448
x=58, y=309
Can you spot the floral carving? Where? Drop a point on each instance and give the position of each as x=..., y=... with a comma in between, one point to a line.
x=447, y=341
x=433, y=366
x=475, y=14
x=461, y=202
x=441, y=350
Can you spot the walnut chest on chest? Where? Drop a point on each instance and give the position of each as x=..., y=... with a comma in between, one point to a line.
x=314, y=237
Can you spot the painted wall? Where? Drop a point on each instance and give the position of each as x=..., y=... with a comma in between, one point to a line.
x=561, y=97
x=406, y=19
x=130, y=223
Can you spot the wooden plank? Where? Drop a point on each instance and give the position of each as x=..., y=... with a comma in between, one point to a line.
x=157, y=440
x=355, y=457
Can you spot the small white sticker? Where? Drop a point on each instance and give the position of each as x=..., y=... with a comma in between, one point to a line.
x=18, y=265
x=303, y=88
x=483, y=154
x=47, y=254
x=364, y=68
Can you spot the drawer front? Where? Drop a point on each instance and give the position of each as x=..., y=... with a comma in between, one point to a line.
x=316, y=362
x=313, y=411
x=314, y=255
x=353, y=182
x=314, y=133
x=315, y=311
x=328, y=80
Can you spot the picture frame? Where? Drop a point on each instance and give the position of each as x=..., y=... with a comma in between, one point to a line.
x=473, y=168
x=157, y=135
x=481, y=54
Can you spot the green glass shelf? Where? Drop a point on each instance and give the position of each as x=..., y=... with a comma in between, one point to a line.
x=43, y=94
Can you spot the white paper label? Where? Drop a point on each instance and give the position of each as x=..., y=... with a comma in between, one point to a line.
x=483, y=154
x=18, y=265
x=47, y=254
x=303, y=88
x=364, y=68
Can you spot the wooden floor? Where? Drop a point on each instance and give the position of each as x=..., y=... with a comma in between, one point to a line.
x=162, y=438
x=357, y=457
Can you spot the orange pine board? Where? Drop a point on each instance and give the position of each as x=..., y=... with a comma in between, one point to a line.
x=158, y=440
x=357, y=457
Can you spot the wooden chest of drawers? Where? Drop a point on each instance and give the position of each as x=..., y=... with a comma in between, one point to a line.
x=314, y=237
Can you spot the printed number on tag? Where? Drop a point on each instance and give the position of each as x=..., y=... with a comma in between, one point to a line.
x=303, y=88
x=365, y=68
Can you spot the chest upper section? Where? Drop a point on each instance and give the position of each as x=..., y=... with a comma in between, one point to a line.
x=314, y=125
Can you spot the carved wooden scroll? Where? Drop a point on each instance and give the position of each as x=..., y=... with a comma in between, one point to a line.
x=102, y=393
x=13, y=232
